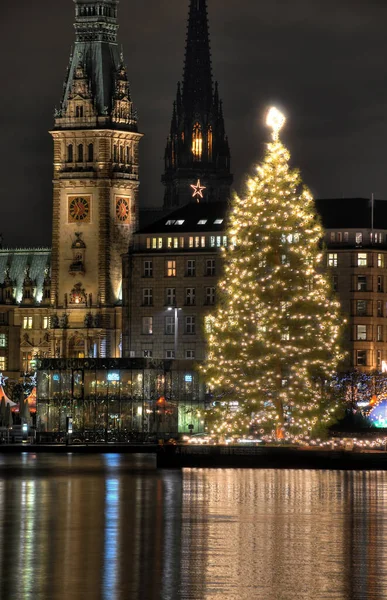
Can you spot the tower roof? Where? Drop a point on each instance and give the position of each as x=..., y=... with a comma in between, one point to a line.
x=197, y=80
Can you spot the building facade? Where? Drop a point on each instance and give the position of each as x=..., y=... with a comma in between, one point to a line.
x=171, y=273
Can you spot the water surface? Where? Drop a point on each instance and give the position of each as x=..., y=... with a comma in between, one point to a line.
x=113, y=527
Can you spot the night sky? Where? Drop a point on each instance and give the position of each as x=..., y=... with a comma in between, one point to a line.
x=323, y=62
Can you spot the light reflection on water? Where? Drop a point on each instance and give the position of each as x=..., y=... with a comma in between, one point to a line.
x=112, y=527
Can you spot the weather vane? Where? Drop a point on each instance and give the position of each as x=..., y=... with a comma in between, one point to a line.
x=198, y=190
x=276, y=120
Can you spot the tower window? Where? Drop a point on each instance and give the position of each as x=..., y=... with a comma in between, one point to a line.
x=121, y=154
x=90, y=157
x=80, y=153
x=115, y=153
x=209, y=143
x=79, y=111
x=70, y=153
x=197, y=142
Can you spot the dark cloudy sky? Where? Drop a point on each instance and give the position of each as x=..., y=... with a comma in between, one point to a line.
x=323, y=61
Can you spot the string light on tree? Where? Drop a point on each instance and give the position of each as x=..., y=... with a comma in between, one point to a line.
x=274, y=340
x=198, y=190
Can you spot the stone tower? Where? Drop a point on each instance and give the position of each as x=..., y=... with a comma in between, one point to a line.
x=95, y=204
x=197, y=156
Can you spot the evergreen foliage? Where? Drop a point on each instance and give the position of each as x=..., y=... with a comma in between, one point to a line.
x=273, y=340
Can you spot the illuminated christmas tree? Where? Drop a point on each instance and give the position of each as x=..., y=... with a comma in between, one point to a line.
x=273, y=341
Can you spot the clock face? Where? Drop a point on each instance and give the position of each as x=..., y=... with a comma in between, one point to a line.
x=79, y=209
x=122, y=210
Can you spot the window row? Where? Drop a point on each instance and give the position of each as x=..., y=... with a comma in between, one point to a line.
x=3, y=364
x=123, y=154
x=363, y=358
x=376, y=237
x=197, y=241
x=365, y=308
x=363, y=333
x=80, y=153
x=170, y=268
x=362, y=283
x=190, y=296
x=3, y=340
x=28, y=322
x=360, y=259
x=188, y=354
x=189, y=323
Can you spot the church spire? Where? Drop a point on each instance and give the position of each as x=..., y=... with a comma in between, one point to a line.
x=197, y=81
x=197, y=146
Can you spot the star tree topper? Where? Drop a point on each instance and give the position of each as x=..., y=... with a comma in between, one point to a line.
x=198, y=190
x=276, y=120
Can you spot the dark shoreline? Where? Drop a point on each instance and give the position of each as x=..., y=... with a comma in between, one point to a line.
x=267, y=457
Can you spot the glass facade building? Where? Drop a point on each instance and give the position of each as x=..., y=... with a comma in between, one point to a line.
x=118, y=399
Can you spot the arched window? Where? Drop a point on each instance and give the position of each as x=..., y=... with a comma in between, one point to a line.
x=90, y=154
x=70, y=153
x=127, y=155
x=121, y=154
x=197, y=142
x=79, y=111
x=80, y=153
x=115, y=153
x=209, y=143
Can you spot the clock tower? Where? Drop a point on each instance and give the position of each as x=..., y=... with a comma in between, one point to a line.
x=197, y=156
x=96, y=181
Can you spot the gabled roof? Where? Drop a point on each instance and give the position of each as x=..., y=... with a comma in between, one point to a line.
x=38, y=259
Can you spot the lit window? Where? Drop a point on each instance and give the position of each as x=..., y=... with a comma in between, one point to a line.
x=3, y=340
x=379, y=359
x=171, y=268
x=148, y=243
x=27, y=322
x=191, y=242
x=181, y=242
x=361, y=332
x=160, y=243
x=285, y=334
x=175, y=242
x=154, y=243
x=169, y=243
x=332, y=259
x=361, y=358
x=380, y=333
x=361, y=283
x=381, y=260
x=225, y=241
x=190, y=325
x=362, y=259
x=191, y=268
x=212, y=241
x=46, y=322
x=359, y=238
x=179, y=222
x=202, y=222
x=197, y=242
x=169, y=325
x=190, y=354
x=3, y=363
x=209, y=143
x=203, y=241
x=26, y=361
x=218, y=221
x=197, y=142
x=147, y=325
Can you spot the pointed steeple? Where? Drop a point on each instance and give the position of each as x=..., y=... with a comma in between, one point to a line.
x=197, y=146
x=197, y=81
x=104, y=75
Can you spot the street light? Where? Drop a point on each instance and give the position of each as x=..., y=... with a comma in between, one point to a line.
x=176, y=326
